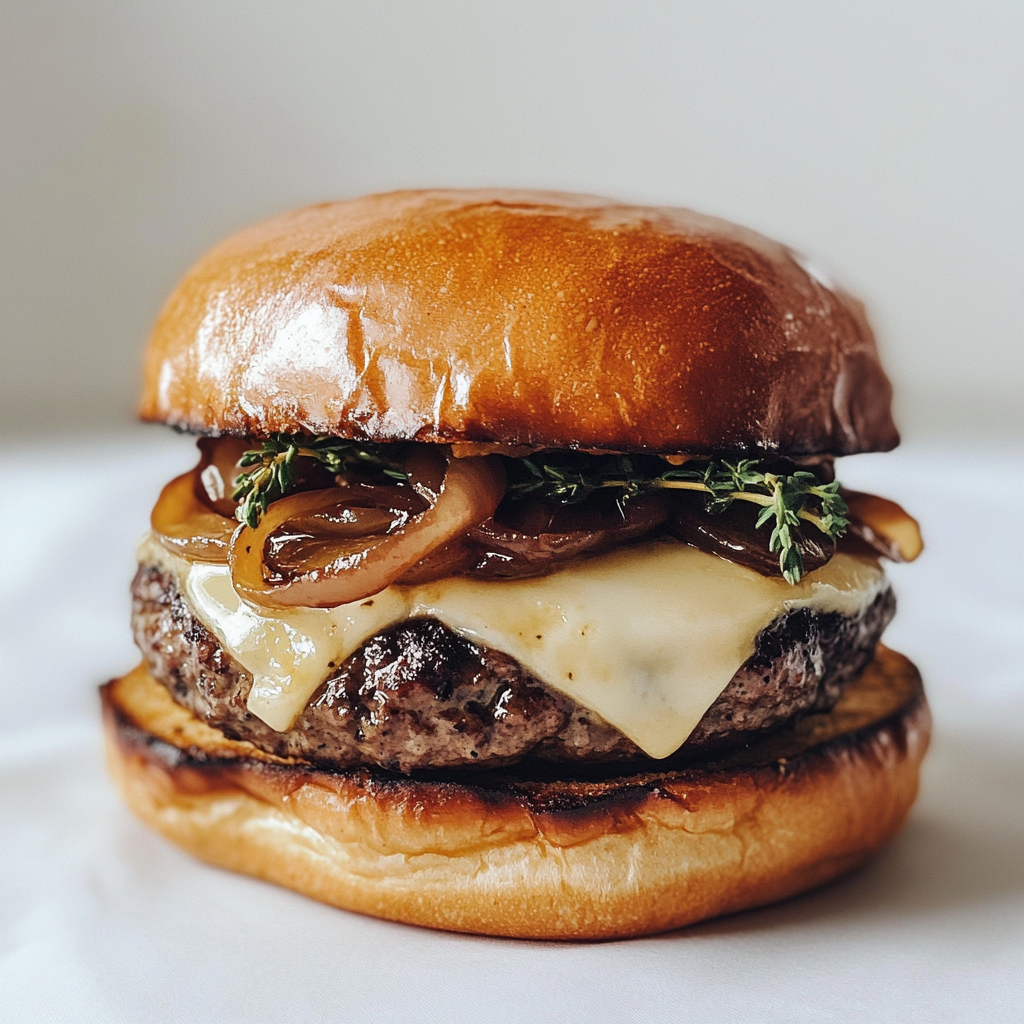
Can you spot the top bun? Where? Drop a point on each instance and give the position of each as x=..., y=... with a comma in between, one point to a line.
x=539, y=319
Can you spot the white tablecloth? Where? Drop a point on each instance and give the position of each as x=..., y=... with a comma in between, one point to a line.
x=102, y=921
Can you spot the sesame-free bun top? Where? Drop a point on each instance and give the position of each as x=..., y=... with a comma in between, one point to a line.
x=519, y=318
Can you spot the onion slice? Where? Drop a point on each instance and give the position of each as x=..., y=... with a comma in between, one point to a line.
x=884, y=526
x=357, y=540
x=538, y=534
x=218, y=471
x=187, y=526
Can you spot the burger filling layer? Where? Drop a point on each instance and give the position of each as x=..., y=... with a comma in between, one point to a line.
x=343, y=600
x=629, y=651
x=419, y=696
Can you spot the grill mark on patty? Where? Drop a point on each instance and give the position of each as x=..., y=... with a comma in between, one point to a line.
x=419, y=696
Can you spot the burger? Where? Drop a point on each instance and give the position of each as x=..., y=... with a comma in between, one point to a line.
x=513, y=591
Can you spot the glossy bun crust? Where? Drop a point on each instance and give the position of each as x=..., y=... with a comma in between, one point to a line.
x=518, y=318
x=507, y=855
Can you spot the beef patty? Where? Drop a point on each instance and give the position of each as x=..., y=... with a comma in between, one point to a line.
x=419, y=696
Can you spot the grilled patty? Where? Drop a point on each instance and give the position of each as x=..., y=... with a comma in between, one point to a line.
x=419, y=696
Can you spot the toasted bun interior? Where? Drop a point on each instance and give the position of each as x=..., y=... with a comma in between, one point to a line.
x=518, y=856
x=519, y=318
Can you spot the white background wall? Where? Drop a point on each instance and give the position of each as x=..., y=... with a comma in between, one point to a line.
x=884, y=138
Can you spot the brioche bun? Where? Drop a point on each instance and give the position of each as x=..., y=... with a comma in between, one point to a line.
x=532, y=319
x=509, y=855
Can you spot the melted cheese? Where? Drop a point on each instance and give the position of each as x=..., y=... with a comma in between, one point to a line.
x=291, y=655
x=647, y=636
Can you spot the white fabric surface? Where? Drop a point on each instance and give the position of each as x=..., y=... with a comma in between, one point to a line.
x=102, y=921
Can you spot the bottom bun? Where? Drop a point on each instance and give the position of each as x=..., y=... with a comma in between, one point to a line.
x=528, y=856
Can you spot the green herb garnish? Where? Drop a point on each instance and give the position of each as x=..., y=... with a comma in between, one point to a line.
x=786, y=499
x=273, y=473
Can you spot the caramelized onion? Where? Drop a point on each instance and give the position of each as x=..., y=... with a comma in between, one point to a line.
x=883, y=526
x=218, y=471
x=456, y=558
x=187, y=526
x=320, y=549
x=533, y=534
x=733, y=535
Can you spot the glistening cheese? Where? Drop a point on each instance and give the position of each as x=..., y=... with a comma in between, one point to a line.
x=646, y=636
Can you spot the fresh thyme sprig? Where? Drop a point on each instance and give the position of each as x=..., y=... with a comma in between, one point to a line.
x=273, y=473
x=786, y=499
